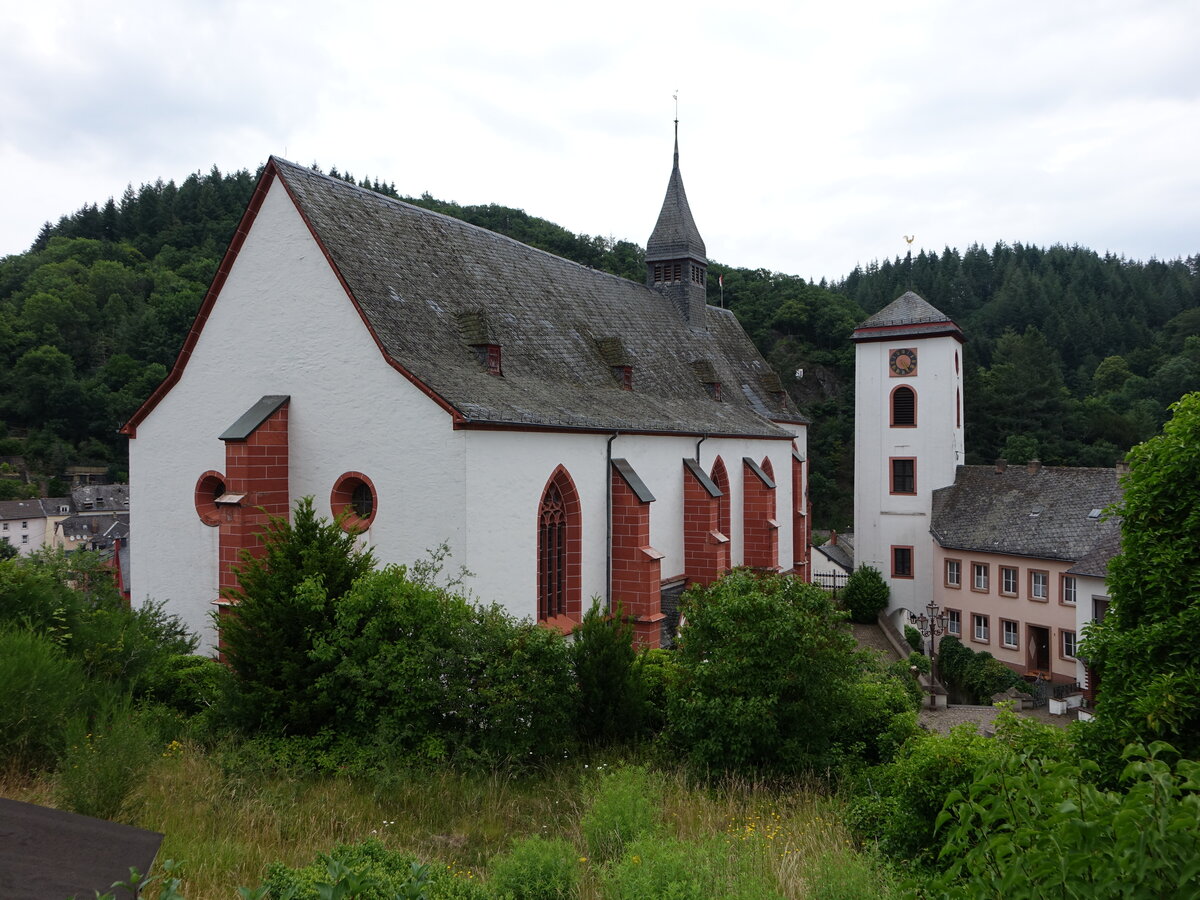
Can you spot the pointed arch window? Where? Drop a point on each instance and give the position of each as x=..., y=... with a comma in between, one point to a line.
x=558, y=550
x=720, y=478
x=904, y=407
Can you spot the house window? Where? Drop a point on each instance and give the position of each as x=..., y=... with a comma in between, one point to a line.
x=1008, y=581
x=1069, y=590
x=954, y=623
x=904, y=407
x=1010, y=634
x=1039, y=585
x=558, y=579
x=902, y=562
x=981, y=628
x=24, y=539
x=953, y=573
x=1099, y=608
x=979, y=576
x=6, y=526
x=904, y=475
x=355, y=499
x=624, y=376
x=1068, y=644
x=24, y=525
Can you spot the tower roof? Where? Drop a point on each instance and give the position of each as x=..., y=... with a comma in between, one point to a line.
x=675, y=235
x=907, y=315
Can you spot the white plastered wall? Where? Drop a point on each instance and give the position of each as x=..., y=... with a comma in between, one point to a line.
x=881, y=519
x=283, y=325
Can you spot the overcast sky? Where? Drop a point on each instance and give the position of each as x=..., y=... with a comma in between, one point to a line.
x=813, y=136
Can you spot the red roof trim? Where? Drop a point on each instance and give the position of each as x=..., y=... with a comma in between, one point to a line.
x=210, y=298
x=466, y=424
x=270, y=172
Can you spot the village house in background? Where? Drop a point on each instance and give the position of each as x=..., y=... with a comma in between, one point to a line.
x=1014, y=555
x=568, y=434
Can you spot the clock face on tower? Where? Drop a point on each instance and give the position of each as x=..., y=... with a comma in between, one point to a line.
x=903, y=362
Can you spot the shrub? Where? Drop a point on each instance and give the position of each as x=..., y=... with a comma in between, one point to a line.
x=877, y=717
x=900, y=803
x=621, y=812
x=605, y=665
x=40, y=688
x=286, y=597
x=1032, y=827
x=976, y=675
x=418, y=669
x=656, y=670
x=663, y=868
x=108, y=752
x=866, y=595
x=920, y=662
x=536, y=868
x=766, y=666
x=376, y=872
x=914, y=639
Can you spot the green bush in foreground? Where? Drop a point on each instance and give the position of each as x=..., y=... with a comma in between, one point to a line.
x=536, y=868
x=40, y=689
x=664, y=868
x=1029, y=827
x=368, y=871
x=622, y=811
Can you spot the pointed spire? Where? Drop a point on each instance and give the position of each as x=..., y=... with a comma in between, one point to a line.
x=675, y=235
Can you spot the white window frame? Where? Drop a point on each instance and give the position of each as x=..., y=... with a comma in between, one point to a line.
x=981, y=628
x=1010, y=578
x=1070, y=590
x=953, y=566
x=1068, y=637
x=954, y=623
x=1010, y=628
x=1039, y=578
x=979, y=577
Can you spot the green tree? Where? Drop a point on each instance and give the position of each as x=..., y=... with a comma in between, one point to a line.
x=1145, y=651
x=866, y=595
x=285, y=600
x=768, y=677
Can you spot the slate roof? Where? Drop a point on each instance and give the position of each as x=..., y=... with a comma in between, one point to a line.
x=675, y=234
x=1095, y=562
x=1047, y=514
x=841, y=553
x=417, y=276
x=37, y=508
x=908, y=314
x=102, y=497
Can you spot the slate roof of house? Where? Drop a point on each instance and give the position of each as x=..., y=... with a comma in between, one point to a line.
x=1046, y=514
x=908, y=314
x=1095, y=562
x=37, y=508
x=103, y=497
x=675, y=234
x=428, y=284
x=101, y=529
x=841, y=553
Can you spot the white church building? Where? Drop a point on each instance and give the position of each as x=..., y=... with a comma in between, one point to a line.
x=567, y=433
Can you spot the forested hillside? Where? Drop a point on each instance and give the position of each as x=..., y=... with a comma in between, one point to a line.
x=1071, y=356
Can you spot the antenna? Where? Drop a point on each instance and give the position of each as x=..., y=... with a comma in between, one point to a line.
x=909, y=238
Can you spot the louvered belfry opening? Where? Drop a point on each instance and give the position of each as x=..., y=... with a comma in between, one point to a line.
x=552, y=555
x=904, y=406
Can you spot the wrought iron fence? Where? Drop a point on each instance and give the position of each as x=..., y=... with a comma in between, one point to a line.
x=830, y=581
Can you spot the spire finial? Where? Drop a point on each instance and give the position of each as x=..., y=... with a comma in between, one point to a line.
x=675, y=97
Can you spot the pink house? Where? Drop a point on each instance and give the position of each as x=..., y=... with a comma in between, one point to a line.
x=1007, y=541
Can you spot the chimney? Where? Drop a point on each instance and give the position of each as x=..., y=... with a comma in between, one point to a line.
x=1122, y=467
x=833, y=537
x=1034, y=466
x=1001, y=465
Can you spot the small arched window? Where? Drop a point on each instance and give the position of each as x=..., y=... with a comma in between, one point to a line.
x=559, y=549
x=904, y=407
x=354, y=494
x=209, y=487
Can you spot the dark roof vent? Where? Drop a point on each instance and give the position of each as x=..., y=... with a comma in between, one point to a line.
x=613, y=352
x=771, y=383
x=706, y=373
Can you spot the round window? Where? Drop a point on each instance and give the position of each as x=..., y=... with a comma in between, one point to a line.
x=209, y=487
x=354, y=498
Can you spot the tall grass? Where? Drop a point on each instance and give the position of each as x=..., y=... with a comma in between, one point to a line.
x=228, y=824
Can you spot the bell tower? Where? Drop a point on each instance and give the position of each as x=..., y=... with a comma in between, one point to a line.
x=908, y=439
x=676, y=263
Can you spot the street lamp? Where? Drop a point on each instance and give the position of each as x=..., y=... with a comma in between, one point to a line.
x=932, y=625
